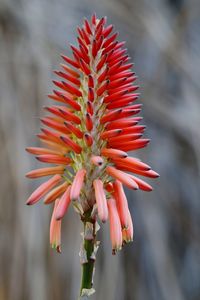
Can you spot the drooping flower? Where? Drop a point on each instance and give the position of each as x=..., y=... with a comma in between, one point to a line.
x=88, y=132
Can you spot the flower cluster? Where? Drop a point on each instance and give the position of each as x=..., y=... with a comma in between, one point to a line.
x=87, y=135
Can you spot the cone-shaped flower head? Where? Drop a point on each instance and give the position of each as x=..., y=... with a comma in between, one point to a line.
x=88, y=132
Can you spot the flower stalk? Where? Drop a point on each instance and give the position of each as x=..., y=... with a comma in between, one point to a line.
x=86, y=137
x=88, y=251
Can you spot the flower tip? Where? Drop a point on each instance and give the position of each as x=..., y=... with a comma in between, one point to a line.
x=114, y=251
x=58, y=217
x=58, y=249
x=62, y=55
x=97, y=160
x=45, y=107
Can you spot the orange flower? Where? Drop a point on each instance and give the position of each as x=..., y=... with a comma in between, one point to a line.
x=87, y=136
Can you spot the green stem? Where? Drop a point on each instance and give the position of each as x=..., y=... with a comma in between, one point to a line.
x=87, y=268
x=88, y=246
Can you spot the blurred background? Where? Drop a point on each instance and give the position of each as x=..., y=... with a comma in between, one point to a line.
x=163, y=262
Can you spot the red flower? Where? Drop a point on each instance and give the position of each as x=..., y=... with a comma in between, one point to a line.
x=88, y=134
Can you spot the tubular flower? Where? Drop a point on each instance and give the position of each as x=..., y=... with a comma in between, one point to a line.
x=86, y=138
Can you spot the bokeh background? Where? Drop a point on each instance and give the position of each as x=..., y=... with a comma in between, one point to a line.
x=163, y=262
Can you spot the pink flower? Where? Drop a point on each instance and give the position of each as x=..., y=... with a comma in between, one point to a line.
x=55, y=230
x=115, y=226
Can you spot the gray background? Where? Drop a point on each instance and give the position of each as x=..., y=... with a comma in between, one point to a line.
x=163, y=262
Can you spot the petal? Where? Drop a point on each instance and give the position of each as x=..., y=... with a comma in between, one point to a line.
x=113, y=153
x=43, y=189
x=100, y=200
x=122, y=204
x=128, y=232
x=115, y=225
x=55, y=193
x=63, y=204
x=45, y=172
x=122, y=177
x=97, y=160
x=77, y=184
x=55, y=230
